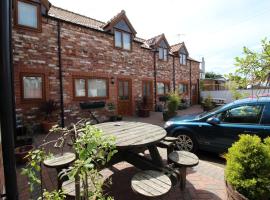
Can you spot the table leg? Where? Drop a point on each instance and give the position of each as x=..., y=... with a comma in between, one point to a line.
x=183, y=174
x=156, y=158
x=59, y=181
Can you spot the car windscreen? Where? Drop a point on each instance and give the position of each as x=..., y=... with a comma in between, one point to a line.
x=201, y=115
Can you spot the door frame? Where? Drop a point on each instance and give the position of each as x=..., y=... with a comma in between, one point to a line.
x=130, y=93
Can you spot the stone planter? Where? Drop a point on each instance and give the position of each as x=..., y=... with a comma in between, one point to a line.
x=167, y=115
x=232, y=194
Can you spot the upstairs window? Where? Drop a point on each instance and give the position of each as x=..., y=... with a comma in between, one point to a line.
x=183, y=88
x=28, y=15
x=183, y=59
x=163, y=53
x=122, y=40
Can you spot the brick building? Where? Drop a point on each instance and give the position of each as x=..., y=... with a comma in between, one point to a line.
x=71, y=58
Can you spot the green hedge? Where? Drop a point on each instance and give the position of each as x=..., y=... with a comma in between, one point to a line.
x=248, y=167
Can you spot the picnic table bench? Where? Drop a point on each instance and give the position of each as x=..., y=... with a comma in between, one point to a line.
x=182, y=160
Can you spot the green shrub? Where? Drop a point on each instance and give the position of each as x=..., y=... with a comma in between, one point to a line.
x=248, y=167
x=173, y=102
x=207, y=103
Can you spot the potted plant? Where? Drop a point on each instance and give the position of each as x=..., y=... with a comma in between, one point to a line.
x=207, y=103
x=172, y=105
x=247, y=170
x=49, y=107
x=142, y=109
x=111, y=109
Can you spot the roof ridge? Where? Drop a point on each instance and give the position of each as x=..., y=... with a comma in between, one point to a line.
x=177, y=44
x=78, y=14
x=115, y=16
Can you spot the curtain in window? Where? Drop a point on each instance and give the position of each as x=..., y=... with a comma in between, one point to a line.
x=160, y=88
x=32, y=87
x=118, y=39
x=80, y=88
x=27, y=14
x=97, y=88
x=160, y=53
x=165, y=54
x=126, y=41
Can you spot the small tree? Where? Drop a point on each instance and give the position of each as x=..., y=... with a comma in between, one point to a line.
x=254, y=66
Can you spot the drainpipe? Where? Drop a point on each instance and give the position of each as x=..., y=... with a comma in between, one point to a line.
x=155, y=80
x=190, y=83
x=7, y=110
x=60, y=74
x=173, y=73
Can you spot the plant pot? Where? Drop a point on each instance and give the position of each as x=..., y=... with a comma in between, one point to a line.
x=232, y=194
x=21, y=152
x=144, y=112
x=113, y=118
x=119, y=117
x=167, y=115
x=47, y=125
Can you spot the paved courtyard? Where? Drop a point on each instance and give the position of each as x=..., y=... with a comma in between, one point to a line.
x=205, y=181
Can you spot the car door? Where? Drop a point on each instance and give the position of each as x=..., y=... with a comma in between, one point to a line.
x=242, y=119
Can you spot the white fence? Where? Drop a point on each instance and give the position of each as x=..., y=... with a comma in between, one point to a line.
x=227, y=95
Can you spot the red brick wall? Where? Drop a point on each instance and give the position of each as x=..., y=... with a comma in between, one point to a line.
x=85, y=52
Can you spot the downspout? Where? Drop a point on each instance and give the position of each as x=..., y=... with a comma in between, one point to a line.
x=7, y=109
x=190, y=83
x=60, y=74
x=155, y=80
x=173, y=73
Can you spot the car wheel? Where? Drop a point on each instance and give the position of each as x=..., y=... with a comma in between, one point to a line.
x=186, y=142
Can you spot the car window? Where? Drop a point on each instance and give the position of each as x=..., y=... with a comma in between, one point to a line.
x=242, y=114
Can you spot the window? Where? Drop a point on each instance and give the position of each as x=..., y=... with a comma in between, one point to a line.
x=90, y=88
x=162, y=53
x=183, y=59
x=97, y=88
x=80, y=88
x=32, y=87
x=183, y=88
x=28, y=15
x=242, y=114
x=163, y=88
x=122, y=40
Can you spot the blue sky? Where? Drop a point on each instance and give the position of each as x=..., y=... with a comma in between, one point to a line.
x=214, y=29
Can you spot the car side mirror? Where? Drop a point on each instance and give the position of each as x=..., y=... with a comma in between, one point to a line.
x=213, y=121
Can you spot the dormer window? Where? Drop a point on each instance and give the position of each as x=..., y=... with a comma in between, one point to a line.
x=122, y=40
x=28, y=15
x=163, y=53
x=183, y=59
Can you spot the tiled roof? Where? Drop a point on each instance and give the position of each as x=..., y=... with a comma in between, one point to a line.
x=153, y=41
x=176, y=47
x=75, y=18
x=115, y=17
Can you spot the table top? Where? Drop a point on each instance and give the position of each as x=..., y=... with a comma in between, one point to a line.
x=151, y=183
x=60, y=160
x=132, y=134
x=184, y=158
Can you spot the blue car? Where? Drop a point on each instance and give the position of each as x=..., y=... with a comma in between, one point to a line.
x=218, y=129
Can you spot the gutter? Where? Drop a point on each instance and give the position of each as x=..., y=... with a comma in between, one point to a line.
x=174, y=73
x=7, y=109
x=62, y=115
x=155, y=79
x=190, y=83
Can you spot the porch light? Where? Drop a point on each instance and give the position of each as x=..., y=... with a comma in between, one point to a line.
x=112, y=80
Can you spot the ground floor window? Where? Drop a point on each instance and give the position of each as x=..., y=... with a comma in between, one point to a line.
x=183, y=88
x=90, y=87
x=163, y=88
x=32, y=86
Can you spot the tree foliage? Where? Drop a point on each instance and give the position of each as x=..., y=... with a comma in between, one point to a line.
x=254, y=66
x=213, y=75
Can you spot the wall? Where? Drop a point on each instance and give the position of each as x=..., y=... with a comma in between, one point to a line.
x=85, y=52
x=227, y=95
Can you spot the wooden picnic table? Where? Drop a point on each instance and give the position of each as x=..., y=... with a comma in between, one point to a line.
x=130, y=137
